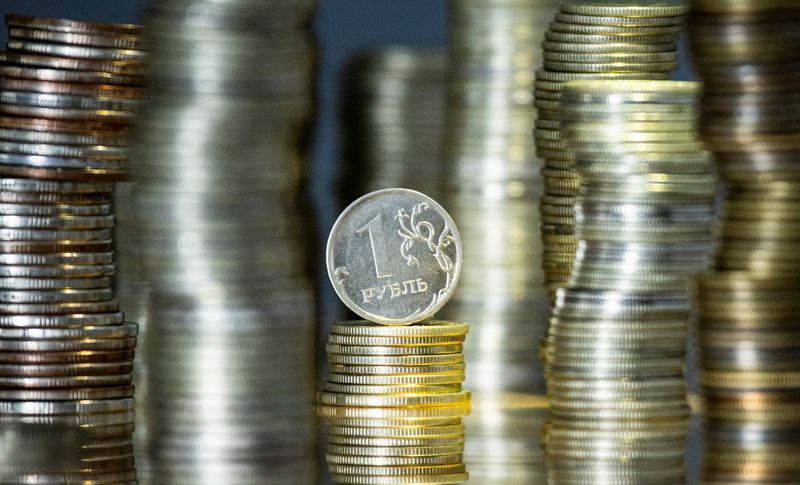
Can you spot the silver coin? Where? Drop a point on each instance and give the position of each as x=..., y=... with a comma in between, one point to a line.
x=42, y=161
x=394, y=256
x=59, y=308
x=76, y=51
x=42, y=210
x=65, y=270
x=53, y=283
x=67, y=151
x=74, y=345
x=69, y=76
x=56, y=321
x=56, y=222
x=55, y=296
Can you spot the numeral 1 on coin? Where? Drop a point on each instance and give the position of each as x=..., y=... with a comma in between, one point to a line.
x=375, y=230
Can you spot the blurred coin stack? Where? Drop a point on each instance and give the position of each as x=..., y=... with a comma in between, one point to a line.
x=394, y=120
x=222, y=237
x=492, y=180
x=394, y=403
x=491, y=187
x=68, y=91
x=747, y=54
x=591, y=40
x=615, y=353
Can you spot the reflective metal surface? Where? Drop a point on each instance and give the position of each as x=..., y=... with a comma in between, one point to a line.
x=590, y=40
x=393, y=120
x=746, y=53
x=221, y=236
x=616, y=342
x=66, y=353
x=491, y=185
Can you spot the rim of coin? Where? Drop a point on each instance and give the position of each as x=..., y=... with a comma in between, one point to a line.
x=70, y=25
x=119, y=41
x=126, y=68
x=417, y=240
x=437, y=479
x=642, y=8
x=426, y=328
x=67, y=394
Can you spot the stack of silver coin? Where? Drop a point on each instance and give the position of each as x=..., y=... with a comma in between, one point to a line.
x=746, y=53
x=615, y=352
x=394, y=120
x=222, y=238
x=491, y=188
x=68, y=91
x=591, y=40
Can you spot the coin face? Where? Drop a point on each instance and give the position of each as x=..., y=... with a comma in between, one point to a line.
x=394, y=256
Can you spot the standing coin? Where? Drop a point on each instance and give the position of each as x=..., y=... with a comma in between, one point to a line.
x=394, y=256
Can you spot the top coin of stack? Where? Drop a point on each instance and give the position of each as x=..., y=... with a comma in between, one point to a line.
x=68, y=93
x=591, y=40
x=394, y=256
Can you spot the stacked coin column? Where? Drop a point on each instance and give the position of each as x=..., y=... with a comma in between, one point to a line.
x=394, y=403
x=394, y=109
x=491, y=185
x=615, y=352
x=590, y=40
x=68, y=91
x=746, y=53
x=231, y=354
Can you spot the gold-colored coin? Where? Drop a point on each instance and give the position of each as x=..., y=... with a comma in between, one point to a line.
x=396, y=471
x=398, y=432
x=390, y=370
x=380, y=390
x=642, y=8
x=428, y=400
x=398, y=380
x=387, y=451
x=395, y=341
x=612, y=57
x=395, y=350
x=427, y=328
x=396, y=360
x=620, y=21
x=390, y=461
x=438, y=479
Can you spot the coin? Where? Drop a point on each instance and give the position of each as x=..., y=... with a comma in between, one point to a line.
x=413, y=280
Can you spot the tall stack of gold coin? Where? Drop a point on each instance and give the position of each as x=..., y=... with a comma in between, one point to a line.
x=746, y=52
x=394, y=121
x=68, y=93
x=394, y=403
x=591, y=40
x=615, y=353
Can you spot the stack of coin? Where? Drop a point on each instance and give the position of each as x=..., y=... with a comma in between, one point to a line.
x=591, y=39
x=393, y=396
x=66, y=356
x=221, y=234
x=501, y=446
x=746, y=53
x=68, y=92
x=394, y=402
x=394, y=109
x=491, y=184
x=615, y=351
x=491, y=187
